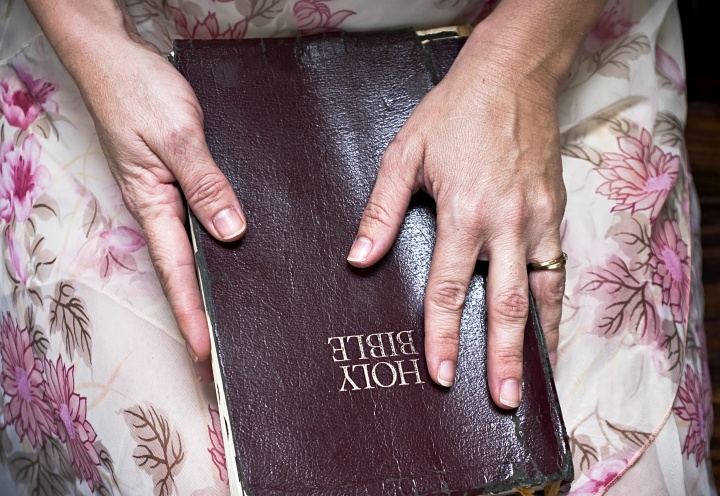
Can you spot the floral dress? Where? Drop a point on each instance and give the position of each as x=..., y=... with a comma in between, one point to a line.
x=97, y=392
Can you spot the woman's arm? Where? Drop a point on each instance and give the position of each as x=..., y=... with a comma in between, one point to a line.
x=485, y=144
x=150, y=127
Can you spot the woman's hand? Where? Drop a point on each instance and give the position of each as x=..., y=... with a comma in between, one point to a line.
x=485, y=145
x=150, y=126
x=489, y=155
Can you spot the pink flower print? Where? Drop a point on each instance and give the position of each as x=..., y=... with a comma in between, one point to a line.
x=690, y=400
x=600, y=475
x=40, y=89
x=641, y=177
x=72, y=426
x=23, y=179
x=614, y=22
x=116, y=249
x=313, y=17
x=657, y=354
x=668, y=67
x=671, y=264
x=217, y=445
x=16, y=257
x=23, y=98
x=123, y=239
x=22, y=381
x=207, y=29
x=192, y=28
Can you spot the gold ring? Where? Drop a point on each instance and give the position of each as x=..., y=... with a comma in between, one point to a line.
x=555, y=263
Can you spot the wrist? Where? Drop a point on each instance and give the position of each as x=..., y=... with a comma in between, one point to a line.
x=532, y=44
x=82, y=36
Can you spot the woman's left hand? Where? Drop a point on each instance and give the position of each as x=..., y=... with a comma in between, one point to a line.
x=485, y=145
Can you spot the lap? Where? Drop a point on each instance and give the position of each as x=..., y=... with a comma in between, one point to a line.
x=84, y=317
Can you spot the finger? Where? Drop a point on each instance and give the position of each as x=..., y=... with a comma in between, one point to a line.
x=508, y=304
x=388, y=202
x=452, y=265
x=174, y=263
x=203, y=371
x=548, y=289
x=206, y=189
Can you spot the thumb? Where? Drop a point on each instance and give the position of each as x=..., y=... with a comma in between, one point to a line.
x=207, y=191
x=385, y=210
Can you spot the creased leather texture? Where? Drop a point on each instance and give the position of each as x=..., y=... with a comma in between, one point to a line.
x=299, y=127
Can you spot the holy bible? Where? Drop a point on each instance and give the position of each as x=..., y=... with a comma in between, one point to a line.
x=319, y=366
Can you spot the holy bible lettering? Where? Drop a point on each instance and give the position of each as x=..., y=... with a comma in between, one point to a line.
x=383, y=347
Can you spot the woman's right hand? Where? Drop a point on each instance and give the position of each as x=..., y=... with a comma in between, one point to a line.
x=150, y=126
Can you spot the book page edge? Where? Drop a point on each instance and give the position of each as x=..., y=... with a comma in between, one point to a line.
x=225, y=424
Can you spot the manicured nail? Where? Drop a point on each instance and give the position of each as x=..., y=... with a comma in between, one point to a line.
x=446, y=373
x=360, y=250
x=192, y=354
x=553, y=358
x=510, y=393
x=228, y=223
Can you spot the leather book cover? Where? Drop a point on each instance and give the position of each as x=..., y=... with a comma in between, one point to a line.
x=320, y=368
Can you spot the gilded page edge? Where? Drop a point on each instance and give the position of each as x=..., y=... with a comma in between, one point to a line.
x=236, y=488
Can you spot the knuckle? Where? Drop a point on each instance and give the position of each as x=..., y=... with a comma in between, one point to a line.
x=206, y=190
x=552, y=333
x=470, y=223
x=377, y=213
x=399, y=150
x=545, y=205
x=508, y=357
x=550, y=205
x=184, y=139
x=449, y=295
x=444, y=339
x=554, y=292
x=180, y=130
x=511, y=305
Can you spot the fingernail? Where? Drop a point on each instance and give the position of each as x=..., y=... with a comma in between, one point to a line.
x=360, y=250
x=192, y=354
x=446, y=373
x=510, y=393
x=553, y=358
x=201, y=372
x=228, y=223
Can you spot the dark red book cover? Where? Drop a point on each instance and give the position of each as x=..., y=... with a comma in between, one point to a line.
x=320, y=366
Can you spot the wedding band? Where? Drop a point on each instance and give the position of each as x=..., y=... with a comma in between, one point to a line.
x=555, y=263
